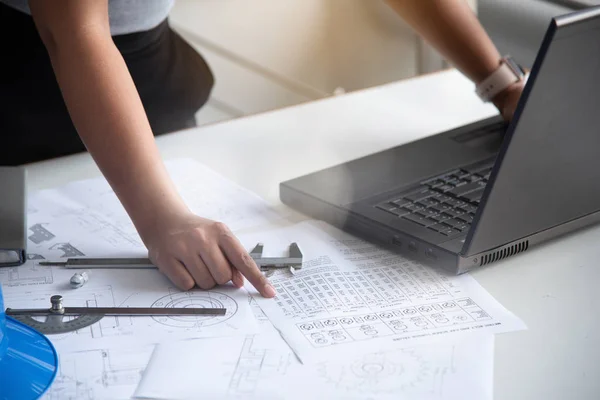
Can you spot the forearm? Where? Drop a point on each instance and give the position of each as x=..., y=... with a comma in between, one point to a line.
x=453, y=29
x=110, y=119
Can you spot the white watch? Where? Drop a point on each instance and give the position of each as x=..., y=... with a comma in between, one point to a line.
x=508, y=72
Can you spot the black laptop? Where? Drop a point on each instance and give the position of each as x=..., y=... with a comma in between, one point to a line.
x=474, y=195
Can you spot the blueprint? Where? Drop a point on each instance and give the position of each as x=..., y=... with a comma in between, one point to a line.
x=205, y=192
x=236, y=367
x=99, y=374
x=263, y=367
x=140, y=288
x=28, y=274
x=85, y=219
x=460, y=369
x=388, y=323
x=354, y=296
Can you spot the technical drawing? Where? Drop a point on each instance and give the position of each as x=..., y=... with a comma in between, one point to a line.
x=257, y=311
x=119, y=370
x=33, y=256
x=27, y=274
x=391, y=322
x=256, y=363
x=398, y=372
x=84, y=297
x=40, y=234
x=68, y=250
x=96, y=374
x=202, y=299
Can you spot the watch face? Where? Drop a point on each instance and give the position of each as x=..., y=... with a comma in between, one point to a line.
x=516, y=68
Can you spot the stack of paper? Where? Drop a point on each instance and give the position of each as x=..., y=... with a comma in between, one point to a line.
x=106, y=360
x=362, y=322
x=356, y=322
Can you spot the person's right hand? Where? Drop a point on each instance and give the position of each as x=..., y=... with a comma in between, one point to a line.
x=191, y=250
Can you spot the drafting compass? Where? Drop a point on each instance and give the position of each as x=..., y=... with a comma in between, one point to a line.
x=81, y=317
x=293, y=261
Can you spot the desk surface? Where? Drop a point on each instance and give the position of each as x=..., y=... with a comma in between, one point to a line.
x=552, y=287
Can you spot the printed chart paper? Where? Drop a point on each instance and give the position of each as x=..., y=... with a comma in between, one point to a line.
x=353, y=296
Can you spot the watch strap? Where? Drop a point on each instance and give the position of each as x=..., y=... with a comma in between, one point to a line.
x=506, y=74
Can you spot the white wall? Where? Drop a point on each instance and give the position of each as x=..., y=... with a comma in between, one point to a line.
x=268, y=54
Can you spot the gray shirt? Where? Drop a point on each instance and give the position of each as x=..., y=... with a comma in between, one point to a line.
x=126, y=16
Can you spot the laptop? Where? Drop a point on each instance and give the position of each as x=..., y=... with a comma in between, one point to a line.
x=472, y=196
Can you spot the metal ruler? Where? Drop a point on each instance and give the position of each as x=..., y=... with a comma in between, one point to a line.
x=81, y=317
x=104, y=263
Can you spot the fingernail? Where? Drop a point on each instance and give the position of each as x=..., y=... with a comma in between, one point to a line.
x=269, y=290
x=238, y=280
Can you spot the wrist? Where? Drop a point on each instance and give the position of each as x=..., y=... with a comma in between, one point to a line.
x=501, y=98
x=159, y=218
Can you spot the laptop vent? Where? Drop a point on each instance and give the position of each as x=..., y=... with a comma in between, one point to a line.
x=505, y=252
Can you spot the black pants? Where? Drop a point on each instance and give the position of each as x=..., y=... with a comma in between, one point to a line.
x=172, y=79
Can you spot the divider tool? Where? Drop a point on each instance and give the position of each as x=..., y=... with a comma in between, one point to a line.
x=81, y=317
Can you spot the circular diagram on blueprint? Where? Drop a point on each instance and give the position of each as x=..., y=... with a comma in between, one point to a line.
x=390, y=372
x=197, y=300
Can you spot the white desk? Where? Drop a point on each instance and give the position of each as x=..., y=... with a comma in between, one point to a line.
x=552, y=288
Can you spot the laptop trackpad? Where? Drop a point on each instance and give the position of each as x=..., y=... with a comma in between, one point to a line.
x=488, y=139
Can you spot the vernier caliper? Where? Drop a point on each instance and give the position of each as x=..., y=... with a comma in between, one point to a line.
x=292, y=261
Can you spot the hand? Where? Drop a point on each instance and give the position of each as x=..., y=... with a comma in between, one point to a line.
x=507, y=100
x=191, y=250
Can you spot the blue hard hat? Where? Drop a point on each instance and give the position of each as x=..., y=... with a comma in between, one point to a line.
x=28, y=361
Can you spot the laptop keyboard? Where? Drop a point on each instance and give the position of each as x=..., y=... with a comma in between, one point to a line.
x=445, y=204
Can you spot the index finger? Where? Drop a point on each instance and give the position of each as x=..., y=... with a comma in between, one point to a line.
x=241, y=260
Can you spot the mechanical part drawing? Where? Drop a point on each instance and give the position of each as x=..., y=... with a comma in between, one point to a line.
x=237, y=367
x=217, y=199
x=103, y=373
x=257, y=363
x=391, y=372
x=195, y=299
x=40, y=234
x=68, y=250
x=263, y=367
x=32, y=256
x=27, y=274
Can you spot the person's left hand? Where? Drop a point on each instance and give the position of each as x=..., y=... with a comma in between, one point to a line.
x=506, y=101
